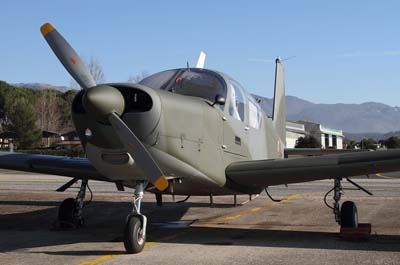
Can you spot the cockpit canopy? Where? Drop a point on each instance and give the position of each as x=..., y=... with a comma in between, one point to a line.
x=208, y=85
x=193, y=82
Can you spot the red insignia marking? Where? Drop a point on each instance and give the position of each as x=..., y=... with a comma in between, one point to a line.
x=72, y=60
x=278, y=148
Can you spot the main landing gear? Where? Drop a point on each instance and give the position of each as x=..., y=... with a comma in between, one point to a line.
x=70, y=215
x=346, y=215
x=135, y=227
x=70, y=210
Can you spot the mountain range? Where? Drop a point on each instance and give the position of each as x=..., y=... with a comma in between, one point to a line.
x=370, y=119
x=39, y=86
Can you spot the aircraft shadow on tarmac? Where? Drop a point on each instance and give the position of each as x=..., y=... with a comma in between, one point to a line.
x=105, y=222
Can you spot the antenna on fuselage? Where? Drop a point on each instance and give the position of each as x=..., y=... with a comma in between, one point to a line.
x=287, y=58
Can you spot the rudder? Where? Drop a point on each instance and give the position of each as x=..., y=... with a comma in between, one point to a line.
x=279, y=109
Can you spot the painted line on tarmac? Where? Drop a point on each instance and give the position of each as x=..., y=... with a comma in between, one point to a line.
x=386, y=177
x=98, y=260
x=221, y=220
x=247, y=201
x=147, y=245
x=212, y=223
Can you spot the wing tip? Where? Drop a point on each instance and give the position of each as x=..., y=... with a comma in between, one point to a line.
x=46, y=28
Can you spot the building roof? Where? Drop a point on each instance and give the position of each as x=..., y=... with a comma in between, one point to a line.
x=47, y=134
x=11, y=135
x=319, y=128
x=295, y=127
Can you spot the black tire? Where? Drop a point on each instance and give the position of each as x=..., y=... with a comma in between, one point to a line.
x=66, y=211
x=134, y=240
x=349, y=215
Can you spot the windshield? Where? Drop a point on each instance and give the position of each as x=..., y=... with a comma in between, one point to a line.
x=158, y=80
x=190, y=82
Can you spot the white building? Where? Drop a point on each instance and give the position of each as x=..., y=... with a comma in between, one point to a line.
x=293, y=132
x=330, y=138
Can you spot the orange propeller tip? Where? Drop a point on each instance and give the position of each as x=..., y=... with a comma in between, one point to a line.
x=161, y=183
x=46, y=28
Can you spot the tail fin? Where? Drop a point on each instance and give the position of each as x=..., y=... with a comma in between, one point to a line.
x=201, y=60
x=279, y=110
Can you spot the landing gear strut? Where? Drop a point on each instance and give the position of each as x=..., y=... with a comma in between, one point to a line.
x=135, y=228
x=70, y=210
x=346, y=215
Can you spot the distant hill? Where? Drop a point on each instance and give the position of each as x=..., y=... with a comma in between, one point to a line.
x=375, y=136
x=39, y=86
x=369, y=117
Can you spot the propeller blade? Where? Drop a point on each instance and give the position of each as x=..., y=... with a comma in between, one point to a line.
x=138, y=152
x=67, y=56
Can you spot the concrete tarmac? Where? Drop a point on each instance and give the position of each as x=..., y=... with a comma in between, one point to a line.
x=298, y=230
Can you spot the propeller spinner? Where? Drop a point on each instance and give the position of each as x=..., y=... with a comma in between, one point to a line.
x=104, y=103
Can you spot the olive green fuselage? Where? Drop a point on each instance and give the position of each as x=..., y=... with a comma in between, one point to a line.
x=192, y=141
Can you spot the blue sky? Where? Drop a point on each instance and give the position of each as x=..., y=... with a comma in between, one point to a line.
x=346, y=51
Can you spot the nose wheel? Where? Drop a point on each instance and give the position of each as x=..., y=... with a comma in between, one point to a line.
x=134, y=235
x=135, y=227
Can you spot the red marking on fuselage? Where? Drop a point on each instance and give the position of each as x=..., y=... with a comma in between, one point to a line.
x=278, y=147
x=131, y=146
x=72, y=60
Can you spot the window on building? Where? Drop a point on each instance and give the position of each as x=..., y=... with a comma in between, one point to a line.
x=326, y=141
x=334, y=141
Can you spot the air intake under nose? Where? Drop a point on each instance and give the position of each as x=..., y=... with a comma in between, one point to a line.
x=137, y=100
x=142, y=109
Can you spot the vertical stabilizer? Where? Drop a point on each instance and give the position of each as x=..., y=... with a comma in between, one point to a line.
x=201, y=60
x=279, y=110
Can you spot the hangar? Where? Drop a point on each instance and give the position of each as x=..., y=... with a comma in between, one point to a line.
x=330, y=138
x=293, y=132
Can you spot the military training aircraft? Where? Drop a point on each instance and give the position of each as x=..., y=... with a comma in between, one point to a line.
x=188, y=131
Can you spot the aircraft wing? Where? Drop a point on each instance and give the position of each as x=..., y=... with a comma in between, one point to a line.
x=258, y=174
x=47, y=164
x=318, y=151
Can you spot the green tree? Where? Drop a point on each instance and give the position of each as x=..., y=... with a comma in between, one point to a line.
x=367, y=143
x=349, y=144
x=8, y=96
x=308, y=142
x=392, y=142
x=22, y=121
